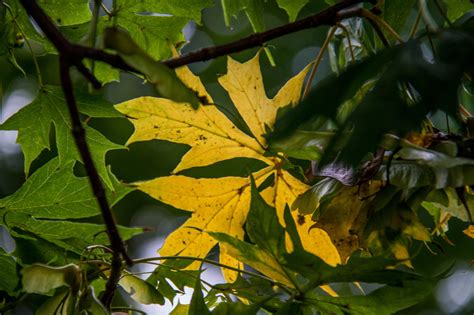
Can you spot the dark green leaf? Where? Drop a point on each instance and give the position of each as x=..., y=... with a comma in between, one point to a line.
x=386, y=300
x=235, y=308
x=54, y=192
x=396, y=13
x=263, y=227
x=163, y=78
x=198, y=305
x=8, y=273
x=61, y=303
x=324, y=100
x=311, y=199
x=34, y=123
x=409, y=88
x=253, y=9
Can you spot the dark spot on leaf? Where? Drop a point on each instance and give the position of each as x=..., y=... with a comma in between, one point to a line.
x=301, y=219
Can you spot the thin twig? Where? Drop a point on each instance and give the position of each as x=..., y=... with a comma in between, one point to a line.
x=349, y=41
x=317, y=60
x=66, y=60
x=330, y=16
x=215, y=263
x=97, y=187
x=414, y=29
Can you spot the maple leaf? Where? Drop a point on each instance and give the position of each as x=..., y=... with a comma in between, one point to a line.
x=222, y=204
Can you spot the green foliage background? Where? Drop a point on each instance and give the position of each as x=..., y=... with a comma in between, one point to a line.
x=158, y=158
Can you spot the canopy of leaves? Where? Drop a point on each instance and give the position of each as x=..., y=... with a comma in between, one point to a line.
x=367, y=138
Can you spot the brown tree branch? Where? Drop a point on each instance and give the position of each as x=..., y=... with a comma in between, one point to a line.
x=67, y=58
x=97, y=187
x=330, y=16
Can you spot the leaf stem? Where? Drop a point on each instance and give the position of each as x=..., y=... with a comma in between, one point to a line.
x=427, y=18
x=348, y=36
x=317, y=60
x=68, y=57
x=215, y=263
x=415, y=25
x=97, y=187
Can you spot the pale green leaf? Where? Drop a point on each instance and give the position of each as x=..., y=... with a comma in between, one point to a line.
x=42, y=279
x=456, y=8
x=292, y=7
x=180, y=309
x=67, y=12
x=141, y=290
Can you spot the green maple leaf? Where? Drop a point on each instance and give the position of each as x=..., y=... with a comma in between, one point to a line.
x=34, y=123
x=52, y=195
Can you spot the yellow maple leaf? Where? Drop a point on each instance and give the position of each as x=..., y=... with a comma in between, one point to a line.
x=222, y=204
x=469, y=231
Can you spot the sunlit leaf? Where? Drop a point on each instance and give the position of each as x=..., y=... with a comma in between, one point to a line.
x=221, y=204
x=34, y=124
x=292, y=7
x=42, y=279
x=140, y=290
x=48, y=198
x=67, y=12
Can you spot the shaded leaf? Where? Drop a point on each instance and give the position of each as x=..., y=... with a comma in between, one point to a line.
x=386, y=300
x=61, y=303
x=198, y=305
x=162, y=77
x=253, y=9
x=9, y=278
x=409, y=87
x=396, y=13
